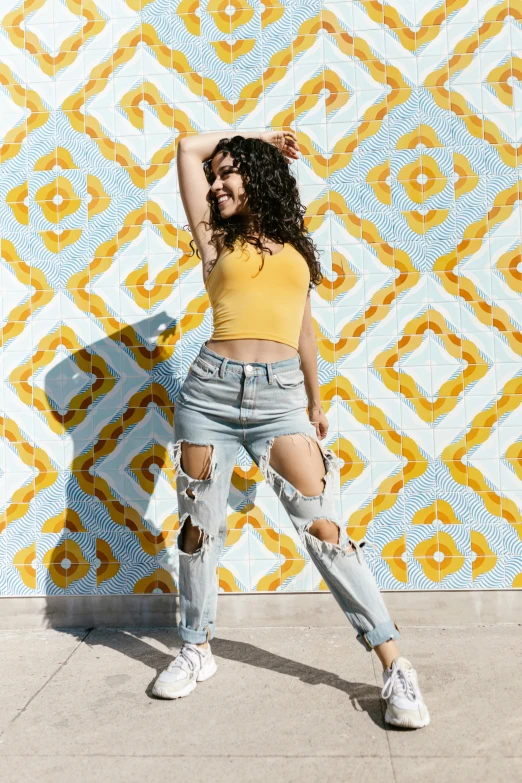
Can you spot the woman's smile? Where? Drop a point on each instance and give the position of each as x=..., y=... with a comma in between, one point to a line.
x=222, y=199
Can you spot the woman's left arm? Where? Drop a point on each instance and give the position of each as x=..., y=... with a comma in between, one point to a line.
x=307, y=350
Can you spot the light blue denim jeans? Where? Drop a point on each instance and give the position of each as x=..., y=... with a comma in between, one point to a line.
x=225, y=404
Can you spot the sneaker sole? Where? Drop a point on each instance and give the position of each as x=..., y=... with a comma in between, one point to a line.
x=406, y=720
x=205, y=673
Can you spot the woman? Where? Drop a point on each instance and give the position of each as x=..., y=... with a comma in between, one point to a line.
x=254, y=383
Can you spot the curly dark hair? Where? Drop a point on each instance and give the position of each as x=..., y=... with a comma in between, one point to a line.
x=275, y=211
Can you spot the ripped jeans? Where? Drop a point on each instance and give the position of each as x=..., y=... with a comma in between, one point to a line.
x=225, y=404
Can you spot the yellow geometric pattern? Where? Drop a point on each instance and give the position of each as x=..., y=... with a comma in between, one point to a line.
x=409, y=123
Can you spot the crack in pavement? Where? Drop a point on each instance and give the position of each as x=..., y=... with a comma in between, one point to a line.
x=46, y=683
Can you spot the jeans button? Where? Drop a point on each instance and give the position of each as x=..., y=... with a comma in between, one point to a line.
x=248, y=369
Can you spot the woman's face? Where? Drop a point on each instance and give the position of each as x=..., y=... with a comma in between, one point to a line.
x=227, y=187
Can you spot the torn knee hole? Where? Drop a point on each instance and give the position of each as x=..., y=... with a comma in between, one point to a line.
x=325, y=540
x=325, y=530
x=191, y=538
x=278, y=478
x=196, y=469
x=194, y=458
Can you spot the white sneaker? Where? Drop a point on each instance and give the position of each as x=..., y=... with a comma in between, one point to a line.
x=405, y=705
x=191, y=665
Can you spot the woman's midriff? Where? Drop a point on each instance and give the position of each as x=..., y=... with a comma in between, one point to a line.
x=249, y=350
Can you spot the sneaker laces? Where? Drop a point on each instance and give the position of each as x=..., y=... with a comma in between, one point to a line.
x=400, y=681
x=187, y=659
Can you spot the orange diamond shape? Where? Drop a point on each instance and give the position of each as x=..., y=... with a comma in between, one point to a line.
x=24, y=38
x=474, y=366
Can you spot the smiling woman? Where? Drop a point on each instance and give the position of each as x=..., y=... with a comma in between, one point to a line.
x=254, y=198
x=255, y=385
x=227, y=186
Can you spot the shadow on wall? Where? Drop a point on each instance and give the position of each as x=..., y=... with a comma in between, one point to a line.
x=108, y=518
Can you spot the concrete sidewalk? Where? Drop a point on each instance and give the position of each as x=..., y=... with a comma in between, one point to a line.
x=292, y=704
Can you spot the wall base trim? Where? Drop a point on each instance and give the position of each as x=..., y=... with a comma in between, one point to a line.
x=448, y=607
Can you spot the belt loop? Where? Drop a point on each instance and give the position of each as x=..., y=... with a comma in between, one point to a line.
x=223, y=367
x=270, y=373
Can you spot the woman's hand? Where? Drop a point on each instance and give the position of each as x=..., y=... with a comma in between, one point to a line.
x=318, y=418
x=286, y=141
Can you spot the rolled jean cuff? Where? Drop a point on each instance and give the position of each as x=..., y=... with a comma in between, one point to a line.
x=381, y=633
x=195, y=637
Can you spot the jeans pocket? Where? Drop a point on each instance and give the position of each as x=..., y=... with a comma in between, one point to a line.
x=202, y=370
x=292, y=379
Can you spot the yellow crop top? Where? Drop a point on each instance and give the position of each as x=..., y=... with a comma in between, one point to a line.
x=252, y=302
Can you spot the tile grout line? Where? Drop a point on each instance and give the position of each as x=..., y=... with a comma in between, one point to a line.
x=53, y=675
x=384, y=722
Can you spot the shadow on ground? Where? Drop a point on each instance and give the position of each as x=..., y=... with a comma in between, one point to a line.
x=363, y=697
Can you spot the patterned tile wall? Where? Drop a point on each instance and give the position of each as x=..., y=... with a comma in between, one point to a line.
x=409, y=117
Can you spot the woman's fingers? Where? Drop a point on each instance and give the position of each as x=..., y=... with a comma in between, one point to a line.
x=286, y=141
x=291, y=147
